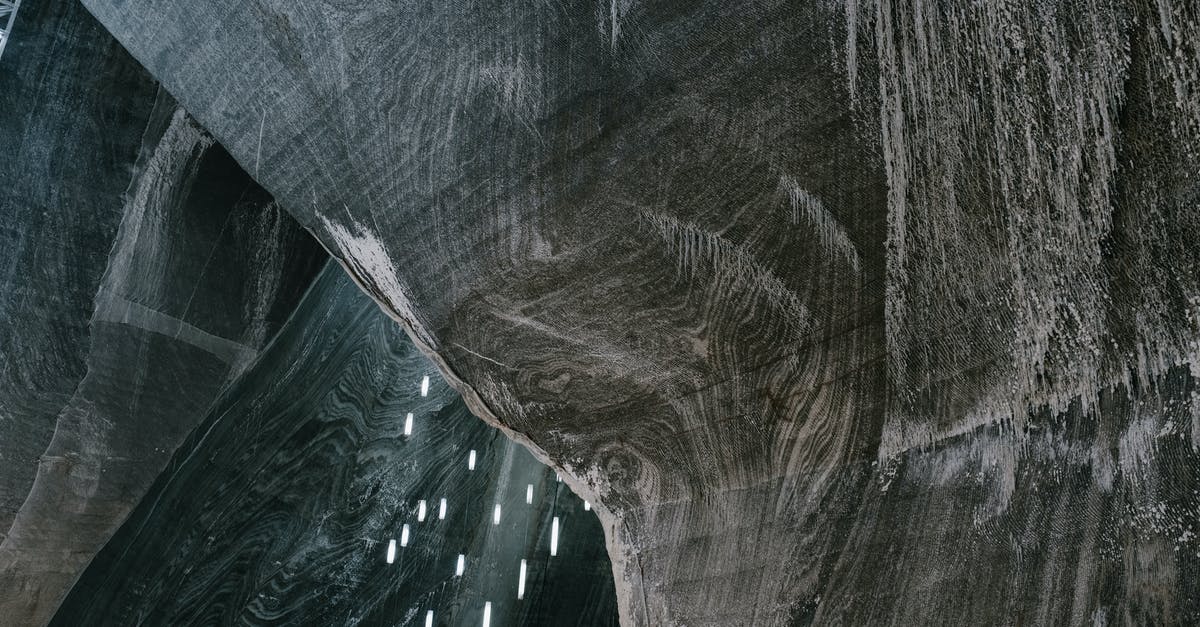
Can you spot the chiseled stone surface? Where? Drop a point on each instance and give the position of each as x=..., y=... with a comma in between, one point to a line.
x=143, y=270
x=857, y=312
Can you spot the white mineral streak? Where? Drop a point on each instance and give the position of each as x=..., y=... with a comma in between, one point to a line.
x=1136, y=450
x=808, y=209
x=852, y=48
x=703, y=256
x=110, y=307
x=616, y=11
x=159, y=181
x=369, y=263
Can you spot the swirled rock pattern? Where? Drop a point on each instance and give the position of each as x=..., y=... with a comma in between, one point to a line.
x=845, y=312
x=848, y=312
x=280, y=507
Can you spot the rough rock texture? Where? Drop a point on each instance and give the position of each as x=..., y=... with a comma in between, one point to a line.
x=75, y=108
x=862, y=312
x=850, y=312
x=279, y=508
x=142, y=271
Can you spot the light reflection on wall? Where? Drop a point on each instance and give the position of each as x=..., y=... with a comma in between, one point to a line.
x=551, y=498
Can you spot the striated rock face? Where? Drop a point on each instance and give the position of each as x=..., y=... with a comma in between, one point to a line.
x=329, y=486
x=143, y=270
x=841, y=312
x=847, y=312
x=58, y=192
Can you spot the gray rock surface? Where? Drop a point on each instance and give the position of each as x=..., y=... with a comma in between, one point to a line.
x=75, y=107
x=874, y=312
x=143, y=270
x=858, y=312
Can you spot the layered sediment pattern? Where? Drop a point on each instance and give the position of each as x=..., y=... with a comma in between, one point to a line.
x=838, y=312
x=844, y=312
x=338, y=482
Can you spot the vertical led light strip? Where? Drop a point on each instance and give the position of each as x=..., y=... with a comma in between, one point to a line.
x=554, y=537
x=404, y=536
x=391, y=554
x=421, y=510
x=521, y=582
x=496, y=515
x=429, y=618
x=462, y=565
x=487, y=614
x=471, y=460
x=408, y=424
x=442, y=510
x=425, y=386
x=529, y=494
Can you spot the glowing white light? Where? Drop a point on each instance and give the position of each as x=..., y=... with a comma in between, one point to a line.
x=462, y=565
x=558, y=477
x=587, y=507
x=521, y=582
x=408, y=424
x=496, y=515
x=429, y=618
x=442, y=510
x=391, y=556
x=471, y=460
x=554, y=537
x=487, y=614
x=421, y=511
x=404, y=536
x=425, y=386
x=529, y=493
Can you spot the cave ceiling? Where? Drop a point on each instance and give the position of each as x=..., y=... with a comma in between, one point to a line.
x=783, y=313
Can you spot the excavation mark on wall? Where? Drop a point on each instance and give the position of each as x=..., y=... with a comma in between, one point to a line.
x=808, y=209
x=731, y=265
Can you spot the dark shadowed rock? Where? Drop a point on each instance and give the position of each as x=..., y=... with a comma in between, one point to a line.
x=144, y=270
x=280, y=507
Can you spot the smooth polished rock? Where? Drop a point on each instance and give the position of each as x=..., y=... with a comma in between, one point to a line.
x=280, y=507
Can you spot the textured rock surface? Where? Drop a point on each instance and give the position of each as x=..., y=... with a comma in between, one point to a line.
x=64, y=175
x=279, y=508
x=142, y=271
x=851, y=312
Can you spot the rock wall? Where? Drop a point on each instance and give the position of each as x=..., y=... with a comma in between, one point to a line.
x=841, y=312
x=280, y=506
x=144, y=270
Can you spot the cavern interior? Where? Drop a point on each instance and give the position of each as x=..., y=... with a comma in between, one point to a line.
x=634, y=312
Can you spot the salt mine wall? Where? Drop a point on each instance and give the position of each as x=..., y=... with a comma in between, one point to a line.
x=851, y=312
x=337, y=483
x=143, y=270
